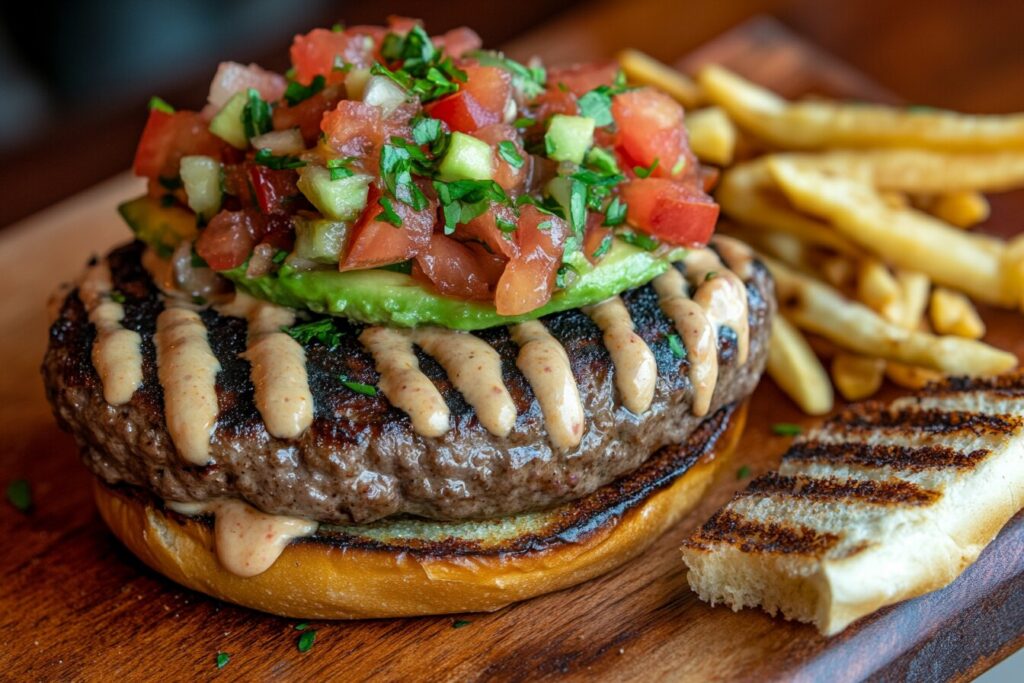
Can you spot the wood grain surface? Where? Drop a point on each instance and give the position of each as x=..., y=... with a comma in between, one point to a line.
x=74, y=605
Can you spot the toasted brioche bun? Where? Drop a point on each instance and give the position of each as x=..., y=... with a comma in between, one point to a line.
x=415, y=567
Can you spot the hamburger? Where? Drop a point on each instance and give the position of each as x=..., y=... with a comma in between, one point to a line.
x=411, y=329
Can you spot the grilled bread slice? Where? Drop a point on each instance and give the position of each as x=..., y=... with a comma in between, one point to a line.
x=880, y=504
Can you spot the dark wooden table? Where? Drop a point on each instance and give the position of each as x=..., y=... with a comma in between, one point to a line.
x=75, y=605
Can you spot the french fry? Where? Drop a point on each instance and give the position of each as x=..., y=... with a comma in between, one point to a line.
x=1014, y=264
x=878, y=289
x=915, y=288
x=904, y=237
x=921, y=171
x=646, y=70
x=839, y=271
x=894, y=199
x=962, y=208
x=822, y=123
x=953, y=313
x=857, y=377
x=747, y=193
x=818, y=308
x=712, y=135
x=910, y=376
x=797, y=371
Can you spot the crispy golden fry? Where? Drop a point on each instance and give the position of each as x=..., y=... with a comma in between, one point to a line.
x=921, y=171
x=747, y=194
x=910, y=376
x=904, y=237
x=818, y=308
x=857, y=377
x=839, y=271
x=915, y=288
x=646, y=70
x=878, y=289
x=894, y=199
x=962, y=208
x=712, y=135
x=819, y=124
x=797, y=371
x=953, y=313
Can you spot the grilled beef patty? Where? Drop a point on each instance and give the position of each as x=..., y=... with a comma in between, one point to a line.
x=361, y=460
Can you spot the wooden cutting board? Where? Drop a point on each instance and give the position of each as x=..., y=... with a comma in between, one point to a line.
x=75, y=605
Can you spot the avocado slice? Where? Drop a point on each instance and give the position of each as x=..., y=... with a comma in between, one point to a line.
x=387, y=297
x=161, y=227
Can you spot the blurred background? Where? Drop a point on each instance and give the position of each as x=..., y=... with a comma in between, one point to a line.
x=75, y=75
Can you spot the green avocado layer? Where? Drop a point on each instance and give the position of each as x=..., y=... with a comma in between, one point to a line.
x=387, y=297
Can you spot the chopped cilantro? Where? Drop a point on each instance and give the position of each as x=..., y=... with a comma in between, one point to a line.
x=399, y=159
x=464, y=200
x=264, y=157
x=337, y=27
x=578, y=206
x=19, y=494
x=426, y=130
x=222, y=659
x=423, y=72
x=507, y=151
x=279, y=256
x=615, y=213
x=603, y=248
x=296, y=92
x=301, y=626
x=597, y=104
x=256, y=115
x=389, y=214
x=545, y=225
x=306, y=640
x=786, y=429
x=160, y=104
x=460, y=623
x=642, y=172
x=743, y=472
x=358, y=387
x=711, y=275
x=679, y=166
x=324, y=330
x=603, y=161
x=675, y=344
x=524, y=122
x=529, y=80
x=507, y=227
x=117, y=296
x=639, y=239
x=339, y=168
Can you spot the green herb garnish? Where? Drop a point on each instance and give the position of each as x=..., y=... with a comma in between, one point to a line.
x=524, y=122
x=399, y=159
x=603, y=248
x=222, y=659
x=786, y=429
x=324, y=330
x=256, y=118
x=743, y=472
x=464, y=200
x=296, y=92
x=306, y=640
x=460, y=623
x=615, y=213
x=639, y=239
x=264, y=157
x=339, y=168
x=117, y=296
x=19, y=494
x=675, y=344
x=426, y=130
x=389, y=214
x=358, y=387
x=301, y=626
x=160, y=104
x=529, y=80
x=423, y=71
x=642, y=172
x=507, y=151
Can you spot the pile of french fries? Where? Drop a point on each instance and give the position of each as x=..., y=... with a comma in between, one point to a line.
x=863, y=215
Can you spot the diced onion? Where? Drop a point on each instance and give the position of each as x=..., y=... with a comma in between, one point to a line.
x=383, y=92
x=201, y=178
x=281, y=142
x=232, y=77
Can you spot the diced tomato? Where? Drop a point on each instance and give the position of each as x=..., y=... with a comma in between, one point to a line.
x=352, y=127
x=453, y=269
x=229, y=238
x=484, y=229
x=595, y=236
x=553, y=101
x=529, y=278
x=279, y=232
x=675, y=212
x=479, y=102
x=167, y=138
x=375, y=242
x=313, y=54
x=274, y=189
x=232, y=77
x=493, y=265
x=458, y=41
x=582, y=78
x=306, y=115
x=506, y=174
x=651, y=128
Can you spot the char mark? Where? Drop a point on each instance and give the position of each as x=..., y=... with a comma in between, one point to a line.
x=1011, y=385
x=753, y=536
x=872, y=417
x=830, y=489
x=912, y=458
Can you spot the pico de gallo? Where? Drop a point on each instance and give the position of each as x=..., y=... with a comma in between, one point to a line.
x=484, y=179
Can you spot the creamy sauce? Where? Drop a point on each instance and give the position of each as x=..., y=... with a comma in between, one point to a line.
x=278, y=366
x=546, y=366
x=162, y=272
x=116, y=351
x=188, y=372
x=247, y=541
x=474, y=367
x=722, y=294
x=402, y=381
x=737, y=255
x=636, y=371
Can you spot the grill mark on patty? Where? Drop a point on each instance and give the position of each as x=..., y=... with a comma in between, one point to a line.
x=830, y=489
x=754, y=536
x=912, y=458
x=872, y=417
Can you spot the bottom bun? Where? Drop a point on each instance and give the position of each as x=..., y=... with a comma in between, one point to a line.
x=411, y=567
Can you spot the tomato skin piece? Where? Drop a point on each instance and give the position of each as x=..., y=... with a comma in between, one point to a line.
x=167, y=138
x=670, y=210
x=453, y=269
x=484, y=229
x=651, y=128
x=229, y=238
x=460, y=111
x=529, y=278
x=553, y=101
x=375, y=242
x=458, y=41
x=274, y=189
x=505, y=174
x=313, y=54
x=594, y=236
x=307, y=114
x=582, y=78
x=479, y=102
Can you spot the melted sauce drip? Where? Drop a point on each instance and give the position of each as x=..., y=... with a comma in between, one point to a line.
x=116, y=352
x=474, y=367
x=546, y=366
x=278, y=366
x=737, y=255
x=722, y=294
x=636, y=371
x=187, y=370
x=402, y=381
x=248, y=541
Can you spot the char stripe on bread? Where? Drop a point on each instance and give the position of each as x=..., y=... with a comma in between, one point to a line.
x=877, y=505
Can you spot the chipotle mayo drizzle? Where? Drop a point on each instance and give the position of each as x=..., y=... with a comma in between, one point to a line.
x=474, y=367
x=722, y=294
x=116, y=352
x=737, y=255
x=636, y=371
x=278, y=366
x=247, y=541
x=546, y=366
x=187, y=370
x=402, y=381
